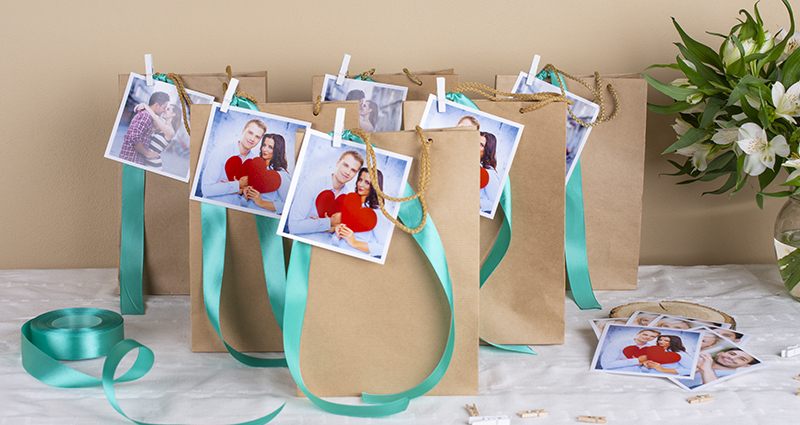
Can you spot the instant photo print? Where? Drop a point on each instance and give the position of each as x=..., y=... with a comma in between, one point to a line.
x=149, y=132
x=582, y=108
x=247, y=161
x=380, y=105
x=720, y=362
x=499, y=140
x=332, y=201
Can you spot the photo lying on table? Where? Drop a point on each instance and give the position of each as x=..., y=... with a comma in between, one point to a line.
x=247, y=160
x=599, y=324
x=380, y=105
x=642, y=318
x=333, y=203
x=647, y=351
x=149, y=132
x=681, y=322
x=498, y=144
x=720, y=362
x=585, y=110
x=715, y=336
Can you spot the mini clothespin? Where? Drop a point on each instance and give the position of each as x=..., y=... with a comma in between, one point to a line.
x=533, y=413
x=343, y=69
x=226, y=101
x=592, y=419
x=489, y=420
x=798, y=392
x=700, y=399
x=797, y=378
x=532, y=71
x=148, y=68
x=472, y=410
x=440, y=95
x=791, y=351
x=338, y=127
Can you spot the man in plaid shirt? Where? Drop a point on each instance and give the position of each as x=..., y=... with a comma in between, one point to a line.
x=136, y=145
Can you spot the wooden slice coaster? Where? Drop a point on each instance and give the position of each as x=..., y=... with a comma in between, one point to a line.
x=675, y=308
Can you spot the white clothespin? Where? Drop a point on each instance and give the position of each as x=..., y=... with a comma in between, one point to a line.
x=533, y=71
x=338, y=127
x=440, y=95
x=343, y=69
x=791, y=351
x=489, y=420
x=226, y=101
x=148, y=68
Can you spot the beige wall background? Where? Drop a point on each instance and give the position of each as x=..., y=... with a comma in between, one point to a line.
x=59, y=95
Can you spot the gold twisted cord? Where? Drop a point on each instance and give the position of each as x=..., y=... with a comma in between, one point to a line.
x=424, y=178
x=541, y=99
x=597, y=92
x=183, y=96
x=241, y=94
x=225, y=84
x=318, y=105
x=244, y=95
x=416, y=80
x=364, y=75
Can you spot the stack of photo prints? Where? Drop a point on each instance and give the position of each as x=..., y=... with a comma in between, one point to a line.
x=693, y=353
x=325, y=196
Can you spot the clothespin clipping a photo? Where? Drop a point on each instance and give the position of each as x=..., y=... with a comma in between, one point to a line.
x=343, y=69
x=533, y=70
x=338, y=127
x=440, y=95
x=148, y=68
x=226, y=101
x=489, y=420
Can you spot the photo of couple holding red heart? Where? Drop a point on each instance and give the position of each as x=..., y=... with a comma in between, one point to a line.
x=647, y=351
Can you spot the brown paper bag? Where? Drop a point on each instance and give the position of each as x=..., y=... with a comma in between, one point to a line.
x=522, y=302
x=382, y=328
x=246, y=318
x=612, y=167
x=166, y=210
x=415, y=91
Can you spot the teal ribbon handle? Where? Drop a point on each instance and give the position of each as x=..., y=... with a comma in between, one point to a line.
x=503, y=241
x=40, y=343
x=131, y=247
x=575, y=229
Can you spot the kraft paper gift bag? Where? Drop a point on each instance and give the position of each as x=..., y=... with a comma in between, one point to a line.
x=246, y=317
x=612, y=165
x=416, y=91
x=166, y=210
x=522, y=302
x=382, y=328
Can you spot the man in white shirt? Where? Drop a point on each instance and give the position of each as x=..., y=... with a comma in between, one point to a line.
x=215, y=184
x=613, y=359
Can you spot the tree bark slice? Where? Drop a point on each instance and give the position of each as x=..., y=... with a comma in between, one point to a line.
x=675, y=308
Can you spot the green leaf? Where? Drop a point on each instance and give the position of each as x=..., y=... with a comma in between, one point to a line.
x=760, y=201
x=670, y=109
x=685, y=169
x=741, y=178
x=791, y=69
x=737, y=68
x=701, y=51
x=703, y=70
x=693, y=76
x=726, y=187
x=670, y=66
x=712, y=107
x=692, y=136
x=725, y=162
x=677, y=93
x=793, y=182
x=765, y=178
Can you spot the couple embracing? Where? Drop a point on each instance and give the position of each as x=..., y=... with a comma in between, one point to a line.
x=648, y=352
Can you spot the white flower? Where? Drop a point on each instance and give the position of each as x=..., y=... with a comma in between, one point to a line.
x=787, y=102
x=680, y=127
x=793, y=163
x=693, y=98
x=760, y=152
x=726, y=136
x=791, y=45
x=731, y=52
x=699, y=152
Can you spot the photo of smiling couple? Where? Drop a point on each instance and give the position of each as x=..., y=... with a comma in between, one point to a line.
x=333, y=202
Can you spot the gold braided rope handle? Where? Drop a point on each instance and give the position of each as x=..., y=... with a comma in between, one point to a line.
x=416, y=80
x=241, y=94
x=541, y=99
x=364, y=75
x=424, y=178
x=318, y=105
x=597, y=92
x=225, y=84
x=183, y=96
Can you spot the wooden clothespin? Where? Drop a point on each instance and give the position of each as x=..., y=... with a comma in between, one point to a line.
x=533, y=413
x=472, y=410
x=700, y=399
x=798, y=392
x=797, y=378
x=592, y=419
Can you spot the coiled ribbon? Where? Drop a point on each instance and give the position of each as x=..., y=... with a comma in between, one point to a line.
x=86, y=333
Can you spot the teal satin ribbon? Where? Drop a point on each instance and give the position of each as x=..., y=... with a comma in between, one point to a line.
x=575, y=229
x=86, y=333
x=297, y=294
x=131, y=243
x=503, y=241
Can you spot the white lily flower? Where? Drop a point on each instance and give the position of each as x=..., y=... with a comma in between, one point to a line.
x=700, y=154
x=769, y=42
x=787, y=102
x=793, y=163
x=726, y=136
x=680, y=127
x=684, y=83
x=760, y=152
x=731, y=52
x=791, y=45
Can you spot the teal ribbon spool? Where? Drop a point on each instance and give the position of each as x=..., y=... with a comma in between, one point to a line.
x=87, y=333
x=575, y=228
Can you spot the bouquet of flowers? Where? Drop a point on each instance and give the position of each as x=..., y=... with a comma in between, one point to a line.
x=737, y=107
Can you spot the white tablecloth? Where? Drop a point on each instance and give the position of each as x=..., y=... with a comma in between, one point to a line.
x=192, y=388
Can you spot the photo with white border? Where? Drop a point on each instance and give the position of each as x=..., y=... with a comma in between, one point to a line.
x=380, y=105
x=720, y=363
x=642, y=318
x=599, y=324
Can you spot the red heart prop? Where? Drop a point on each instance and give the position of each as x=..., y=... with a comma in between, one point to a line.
x=234, y=168
x=356, y=217
x=633, y=351
x=661, y=356
x=484, y=177
x=326, y=204
x=262, y=179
